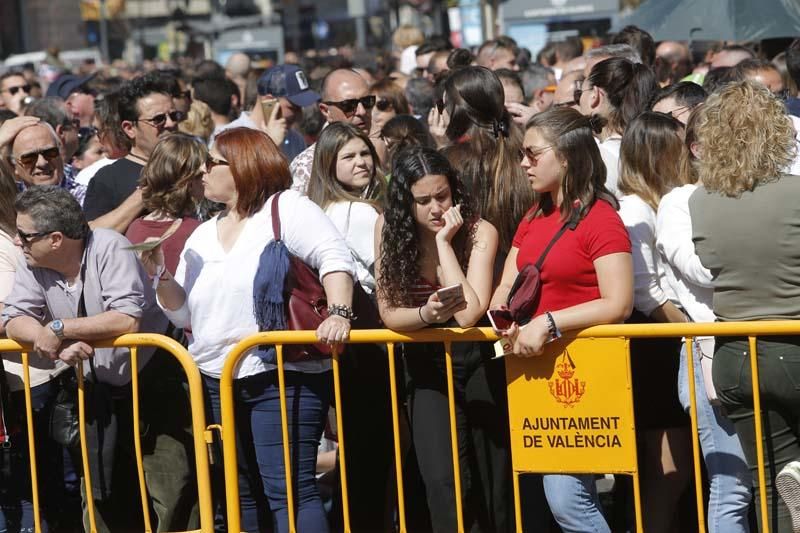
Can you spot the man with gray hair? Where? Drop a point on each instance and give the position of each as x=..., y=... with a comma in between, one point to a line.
x=77, y=286
x=36, y=154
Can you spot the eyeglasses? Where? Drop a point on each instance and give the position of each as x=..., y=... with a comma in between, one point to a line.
x=566, y=104
x=29, y=160
x=383, y=104
x=533, y=155
x=782, y=95
x=212, y=162
x=350, y=106
x=87, y=133
x=160, y=120
x=577, y=92
x=678, y=110
x=26, y=238
x=14, y=90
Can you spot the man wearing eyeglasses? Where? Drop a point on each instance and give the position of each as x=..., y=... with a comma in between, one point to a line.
x=147, y=112
x=13, y=90
x=78, y=286
x=345, y=98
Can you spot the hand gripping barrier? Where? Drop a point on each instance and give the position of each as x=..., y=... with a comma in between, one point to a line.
x=199, y=435
x=572, y=342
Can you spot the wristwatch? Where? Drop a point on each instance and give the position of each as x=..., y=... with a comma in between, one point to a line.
x=555, y=333
x=343, y=311
x=57, y=327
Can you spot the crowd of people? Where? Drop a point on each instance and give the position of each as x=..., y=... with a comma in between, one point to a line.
x=646, y=186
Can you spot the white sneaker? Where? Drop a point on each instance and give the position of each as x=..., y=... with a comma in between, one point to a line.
x=788, y=484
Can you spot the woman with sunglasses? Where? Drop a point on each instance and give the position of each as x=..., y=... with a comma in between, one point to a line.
x=615, y=90
x=390, y=101
x=431, y=237
x=89, y=149
x=171, y=190
x=211, y=294
x=587, y=276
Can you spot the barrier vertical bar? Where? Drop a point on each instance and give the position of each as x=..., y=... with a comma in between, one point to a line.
x=337, y=391
x=698, y=478
x=637, y=503
x=398, y=452
x=87, y=473
x=287, y=456
x=762, y=478
x=517, y=502
x=26, y=380
x=451, y=402
x=137, y=439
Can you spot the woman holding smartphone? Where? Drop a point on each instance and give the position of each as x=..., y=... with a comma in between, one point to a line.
x=430, y=237
x=587, y=276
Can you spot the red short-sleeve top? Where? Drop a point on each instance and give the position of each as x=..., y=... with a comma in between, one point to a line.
x=568, y=277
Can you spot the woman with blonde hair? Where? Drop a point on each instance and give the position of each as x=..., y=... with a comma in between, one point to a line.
x=198, y=121
x=171, y=189
x=729, y=481
x=745, y=227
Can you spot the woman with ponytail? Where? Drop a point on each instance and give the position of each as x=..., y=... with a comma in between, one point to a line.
x=613, y=94
x=587, y=276
x=474, y=103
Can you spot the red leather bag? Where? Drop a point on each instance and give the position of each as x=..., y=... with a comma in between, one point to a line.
x=307, y=306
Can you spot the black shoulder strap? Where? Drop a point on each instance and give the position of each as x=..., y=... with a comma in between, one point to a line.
x=571, y=223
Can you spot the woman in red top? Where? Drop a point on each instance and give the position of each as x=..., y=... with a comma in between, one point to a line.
x=171, y=189
x=587, y=277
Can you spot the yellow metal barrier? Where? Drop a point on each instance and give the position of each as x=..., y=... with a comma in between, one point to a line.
x=747, y=329
x=132, y=341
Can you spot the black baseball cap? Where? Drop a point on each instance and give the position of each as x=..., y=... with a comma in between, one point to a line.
x=66, y=84
x=287, y=81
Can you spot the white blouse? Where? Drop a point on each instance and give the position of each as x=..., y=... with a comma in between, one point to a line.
x=356, y=222
x=650, y=288
x=219, y=285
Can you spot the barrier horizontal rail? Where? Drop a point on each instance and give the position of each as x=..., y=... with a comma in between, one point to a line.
x=133, y=341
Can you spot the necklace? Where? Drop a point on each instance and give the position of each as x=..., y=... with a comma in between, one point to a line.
x=134, y=156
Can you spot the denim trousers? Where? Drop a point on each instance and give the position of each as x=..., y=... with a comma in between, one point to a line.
x=574, y=503
x=729, y=478
x=779, y=385
x=259, y=447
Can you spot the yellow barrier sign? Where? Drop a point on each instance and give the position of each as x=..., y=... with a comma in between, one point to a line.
x=571, y=409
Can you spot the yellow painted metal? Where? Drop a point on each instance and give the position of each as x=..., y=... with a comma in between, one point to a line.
x=137, y=441
x=517, y=503
x=698, y=478
x=26, y=380
x=451, y=404
x=287, y=456
x=398, y=449
x=87, y=478
x=337, y=391
x=762, y=478
x=637, y=503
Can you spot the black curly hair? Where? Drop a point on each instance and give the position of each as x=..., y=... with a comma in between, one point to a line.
x=400, y=252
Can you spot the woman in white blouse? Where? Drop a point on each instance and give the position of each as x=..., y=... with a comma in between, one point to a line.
x=211, y=296
x=651, y=148
x=346, y=182
x=729, y=478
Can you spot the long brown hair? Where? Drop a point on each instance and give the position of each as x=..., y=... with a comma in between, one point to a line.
x=571, y=135
x=166, y=179
x=649, y=157
x=324, y=187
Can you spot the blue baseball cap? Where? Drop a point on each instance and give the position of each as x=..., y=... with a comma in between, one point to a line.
x=66, y=84
x=287, y=81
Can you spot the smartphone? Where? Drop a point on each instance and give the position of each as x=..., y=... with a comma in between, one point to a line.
x=451, y=293
x=501, y=319
x=268, y=103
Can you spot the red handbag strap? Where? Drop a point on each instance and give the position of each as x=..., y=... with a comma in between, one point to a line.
x=276, y=217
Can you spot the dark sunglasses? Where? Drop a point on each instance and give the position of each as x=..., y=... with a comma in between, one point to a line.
x=212, y=162
x=383, y=104
x=29, y=160
x=350, y=106
x=160, y=120
x=84, y=134
x=24, y=88
x=26, y=238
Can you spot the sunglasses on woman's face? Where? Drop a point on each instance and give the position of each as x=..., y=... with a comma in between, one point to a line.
x=383, y=104
x=212, y=162
x=350, y=106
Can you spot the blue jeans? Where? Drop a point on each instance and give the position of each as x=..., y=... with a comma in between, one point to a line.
x=730, y=479
x=260, y=445
x=574, y=503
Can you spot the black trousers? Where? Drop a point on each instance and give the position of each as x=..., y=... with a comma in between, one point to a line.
x=483, y=435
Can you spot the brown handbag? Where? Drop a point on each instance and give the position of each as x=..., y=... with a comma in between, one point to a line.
x=306, y=305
